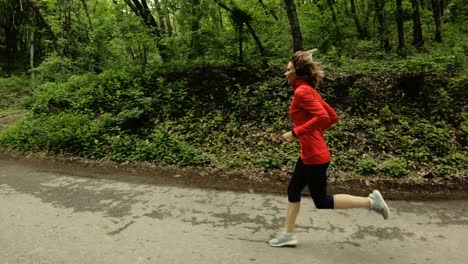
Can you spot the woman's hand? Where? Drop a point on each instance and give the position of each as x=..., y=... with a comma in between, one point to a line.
x=288, y=136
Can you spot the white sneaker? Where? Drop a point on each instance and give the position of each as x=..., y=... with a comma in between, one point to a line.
x=378, y=204
x=282, y=240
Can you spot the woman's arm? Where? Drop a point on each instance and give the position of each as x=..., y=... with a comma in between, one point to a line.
x=311, y=103
x=331, y=113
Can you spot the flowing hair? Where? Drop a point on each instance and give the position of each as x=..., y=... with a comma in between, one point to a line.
x=306, y=68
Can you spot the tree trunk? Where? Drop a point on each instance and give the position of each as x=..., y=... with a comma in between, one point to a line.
x=442, y=5
x=362, y=33
x=401, y=33
x=268, y=10
x=85, y=6
x=142, y=10
x=221, y=20
x=418, y=41
x=167, y=17
x=380, y=12
x=241, y=55
x=240, y=27
x=330, y=4
x=259, y=45
x=11, y=34
x=436, y=11
x=31, y=59
x=148, y=15
x=162, y=25
x=44, y=24
x=66, y=32
x=195, y=27
x=294, y=24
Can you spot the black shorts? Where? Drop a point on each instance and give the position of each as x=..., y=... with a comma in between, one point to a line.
x=315, y=177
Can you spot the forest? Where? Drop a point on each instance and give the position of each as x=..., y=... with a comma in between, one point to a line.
x=201, y=82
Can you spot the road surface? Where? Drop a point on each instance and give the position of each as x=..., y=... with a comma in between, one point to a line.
x=49, y=218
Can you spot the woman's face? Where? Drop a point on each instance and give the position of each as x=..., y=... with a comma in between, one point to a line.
x=290, y=74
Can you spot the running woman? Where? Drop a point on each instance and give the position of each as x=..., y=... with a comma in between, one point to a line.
x=311, y=116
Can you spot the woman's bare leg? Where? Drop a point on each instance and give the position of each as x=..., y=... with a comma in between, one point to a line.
x=344, y=201
x=291, y=215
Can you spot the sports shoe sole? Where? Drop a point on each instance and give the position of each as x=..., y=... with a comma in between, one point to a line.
x=287, y=243
x=386, y=212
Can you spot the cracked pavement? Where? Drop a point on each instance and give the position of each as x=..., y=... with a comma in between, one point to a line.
x=50, y=217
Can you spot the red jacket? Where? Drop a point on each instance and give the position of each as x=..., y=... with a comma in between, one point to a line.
x=311, y=116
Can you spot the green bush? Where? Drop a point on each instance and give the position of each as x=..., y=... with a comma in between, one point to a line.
x=464, y=133
x=62, y=133
x=440, y=105
x=234, y=117
x=269, y=158
x=439, y=138
x=394, y=167
x=366, y=165
x=13, y=91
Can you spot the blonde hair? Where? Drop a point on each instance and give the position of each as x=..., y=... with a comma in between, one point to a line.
x=306, y=68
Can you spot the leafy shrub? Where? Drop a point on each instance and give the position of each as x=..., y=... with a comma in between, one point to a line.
x=439, y=139
x=13, y=90
x=357, y=100
x=464, y=131
x=269, y=158
x=62, y=133
x=456, y=160
x=440, y=105
x=394, y=167
x=189, y=116
x=366, y=165
x=56, y=69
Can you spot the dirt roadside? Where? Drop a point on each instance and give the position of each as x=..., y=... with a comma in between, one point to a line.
x=245, y=179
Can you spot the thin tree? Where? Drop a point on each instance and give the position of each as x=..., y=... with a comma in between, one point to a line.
x=436, y=13
x=43, y=23
x=10, y=23
x=268, y=10
x=195, y=27
x=142, y=10
x=418, y=41
x=400, y=26
x=167, y=17
x=239, y=18
x=362, y=31
x=294, y=24
x=162, y=24
x=380, y=12
x=31, y=58
x=85, y=6
x=330, y=4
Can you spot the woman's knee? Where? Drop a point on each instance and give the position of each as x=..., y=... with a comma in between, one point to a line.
x=323, y=202
x=294, y=197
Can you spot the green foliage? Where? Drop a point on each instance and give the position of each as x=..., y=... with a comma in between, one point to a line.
x=394, y=167
x=440, y=105
x=13, y=91
x=61, y=133
x=234, y=116
x=366, y=165
x=438, y=138
x=79, y=134
x=161, y=147
x=357, y=100
x=464, y=130
x=56, y=69
x=270, y=158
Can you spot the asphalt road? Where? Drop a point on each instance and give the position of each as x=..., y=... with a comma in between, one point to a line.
x=49, y=218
